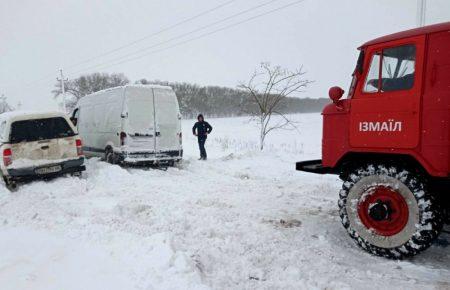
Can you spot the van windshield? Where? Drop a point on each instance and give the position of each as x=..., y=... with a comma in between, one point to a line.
x=40, y=129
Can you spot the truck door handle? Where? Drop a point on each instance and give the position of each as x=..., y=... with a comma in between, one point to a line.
x=45, y=147
x=157, y=134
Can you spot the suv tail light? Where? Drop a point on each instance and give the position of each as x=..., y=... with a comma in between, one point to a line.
x=123, y=137
x=7, y=156
x=79, y=145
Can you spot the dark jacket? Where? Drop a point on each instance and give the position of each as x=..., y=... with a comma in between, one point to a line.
x=202, y=128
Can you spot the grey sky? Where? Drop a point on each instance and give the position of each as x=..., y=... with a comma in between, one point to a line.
x=39, y=37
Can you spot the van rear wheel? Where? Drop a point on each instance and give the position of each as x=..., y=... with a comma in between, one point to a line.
x=388, y=211
x=110, y=156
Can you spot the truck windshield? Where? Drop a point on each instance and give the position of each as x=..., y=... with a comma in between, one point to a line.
x=358, y=71
x=40, y=129
x=398, y=68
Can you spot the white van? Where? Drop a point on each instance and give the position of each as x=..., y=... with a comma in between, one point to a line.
x=38, y=145
x=132, y=124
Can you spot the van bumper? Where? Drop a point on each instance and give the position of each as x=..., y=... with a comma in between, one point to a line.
x=150, y=158
x=29, y=173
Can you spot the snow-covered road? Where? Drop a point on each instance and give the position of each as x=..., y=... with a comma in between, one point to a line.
x=242, y=220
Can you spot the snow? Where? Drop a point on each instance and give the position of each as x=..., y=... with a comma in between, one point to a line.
x=244, y=219
x=149, y=86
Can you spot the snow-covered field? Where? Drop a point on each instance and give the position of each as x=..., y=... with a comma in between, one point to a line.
x=241, y=220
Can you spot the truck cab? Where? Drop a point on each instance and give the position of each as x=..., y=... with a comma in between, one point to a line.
x=388, y=140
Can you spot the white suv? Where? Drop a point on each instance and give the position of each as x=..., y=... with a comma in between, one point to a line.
x=38, y=145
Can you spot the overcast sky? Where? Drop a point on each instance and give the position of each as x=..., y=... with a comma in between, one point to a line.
x=39, y=37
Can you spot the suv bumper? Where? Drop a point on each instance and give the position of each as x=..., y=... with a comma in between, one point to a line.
x=314, y=166
x=27, y=173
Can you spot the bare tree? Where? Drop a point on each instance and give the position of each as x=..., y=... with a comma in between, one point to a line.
x=88, y=84
x=267, y=88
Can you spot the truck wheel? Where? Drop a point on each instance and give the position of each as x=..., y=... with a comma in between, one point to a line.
x=388, y=211
x=447, y=216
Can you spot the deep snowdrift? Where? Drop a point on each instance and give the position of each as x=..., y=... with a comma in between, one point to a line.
x=243, y=220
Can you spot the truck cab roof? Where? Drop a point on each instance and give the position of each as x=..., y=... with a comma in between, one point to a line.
x=445, y=26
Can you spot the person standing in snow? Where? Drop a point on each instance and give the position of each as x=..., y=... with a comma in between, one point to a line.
x=201, y=129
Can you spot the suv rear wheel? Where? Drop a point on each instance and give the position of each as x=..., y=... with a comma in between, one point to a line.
x=388, y=211
x=10, y=184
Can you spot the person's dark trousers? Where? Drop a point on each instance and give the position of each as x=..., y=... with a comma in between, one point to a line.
x=201, y=145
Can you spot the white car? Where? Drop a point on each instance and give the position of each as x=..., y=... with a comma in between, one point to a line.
x=38, y=145
x=133, y=124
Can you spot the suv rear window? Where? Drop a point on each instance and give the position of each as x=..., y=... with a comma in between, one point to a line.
x=40, y=129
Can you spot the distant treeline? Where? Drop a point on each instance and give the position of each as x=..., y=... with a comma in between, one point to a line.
x=215, y=101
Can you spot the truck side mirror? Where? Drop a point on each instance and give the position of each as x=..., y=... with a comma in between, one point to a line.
x=336, y=94
x=74, y=121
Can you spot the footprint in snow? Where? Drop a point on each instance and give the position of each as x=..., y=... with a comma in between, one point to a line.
x=441, y=242
x=286, y=223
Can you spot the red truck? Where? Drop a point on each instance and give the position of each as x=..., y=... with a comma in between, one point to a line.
x=389, y=141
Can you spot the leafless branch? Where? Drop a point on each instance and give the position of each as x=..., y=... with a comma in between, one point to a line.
x=268, y=88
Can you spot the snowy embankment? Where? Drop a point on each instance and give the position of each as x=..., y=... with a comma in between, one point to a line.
x=242, y=220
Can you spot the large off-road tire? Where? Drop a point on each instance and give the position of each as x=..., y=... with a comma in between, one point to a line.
x=388, y=211
x=447, y=216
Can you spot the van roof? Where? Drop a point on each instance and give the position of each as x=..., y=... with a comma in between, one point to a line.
x=24, y=115
x=133, y=86
x=445, y=26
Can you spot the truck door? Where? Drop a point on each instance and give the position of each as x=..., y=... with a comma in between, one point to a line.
x=436, y=104
x=385, y=110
